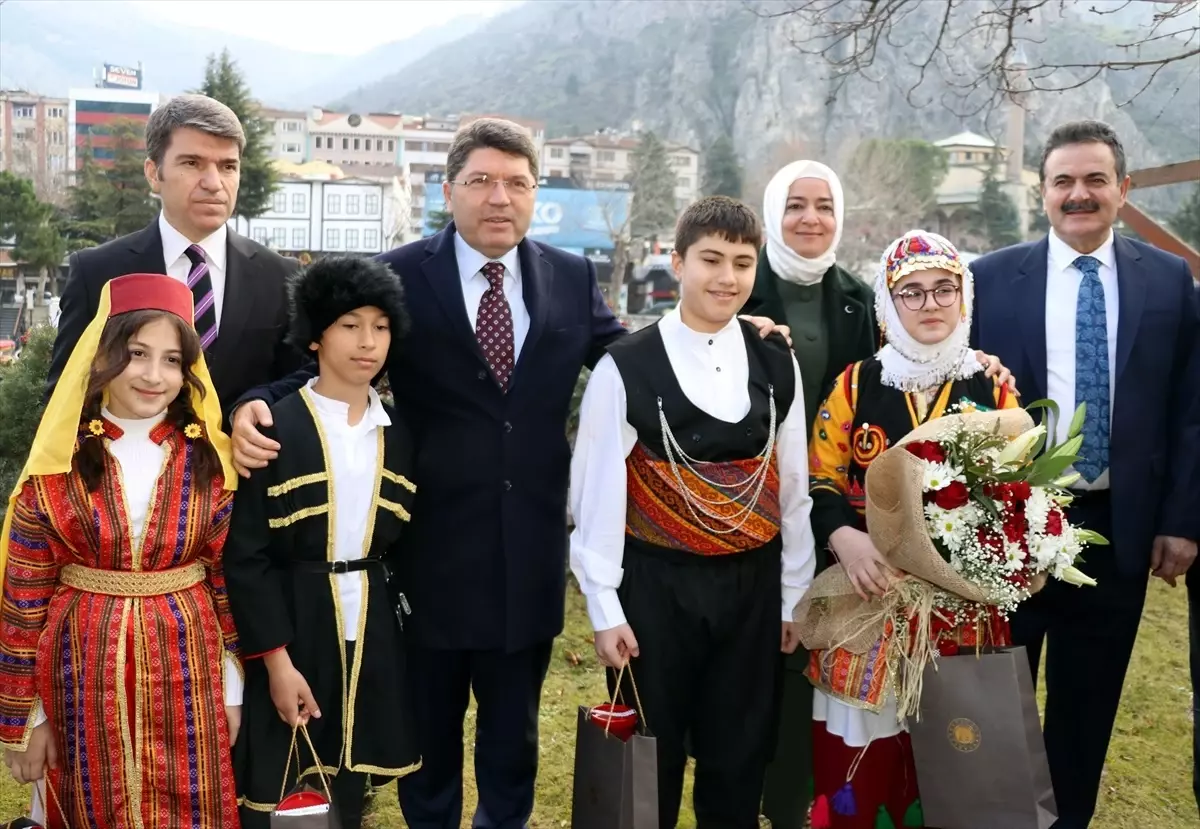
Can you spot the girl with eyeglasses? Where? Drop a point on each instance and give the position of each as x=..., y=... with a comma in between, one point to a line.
x=923, y=294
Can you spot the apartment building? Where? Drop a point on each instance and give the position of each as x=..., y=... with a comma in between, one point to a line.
x=34, y=140
x=369, y=140
x=91, y=113
x=288, y=133
x=315, y=210
x=602, y=160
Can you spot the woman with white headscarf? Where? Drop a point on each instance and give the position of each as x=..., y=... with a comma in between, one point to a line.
x=923, y=294
x=833, y=320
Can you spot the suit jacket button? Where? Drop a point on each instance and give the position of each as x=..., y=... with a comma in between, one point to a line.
x=696, y=438
x=482, y=375
x=507, y=426
x=507, y=486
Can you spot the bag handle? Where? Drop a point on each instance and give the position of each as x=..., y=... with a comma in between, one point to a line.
x=37, y=792
x=617, y=693
x=295, y=750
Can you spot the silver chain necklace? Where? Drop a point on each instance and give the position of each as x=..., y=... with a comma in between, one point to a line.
x=754, y=481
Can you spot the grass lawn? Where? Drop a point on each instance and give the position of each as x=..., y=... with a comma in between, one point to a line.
x=1147, y=782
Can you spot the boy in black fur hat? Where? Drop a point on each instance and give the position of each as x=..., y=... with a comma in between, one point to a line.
x=306, y=560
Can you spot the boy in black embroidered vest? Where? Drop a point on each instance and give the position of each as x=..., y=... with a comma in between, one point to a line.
x=306, y=556
x=689, y=488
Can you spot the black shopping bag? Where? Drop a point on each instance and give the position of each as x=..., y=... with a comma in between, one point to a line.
x=305, y=806
x=616, y=779
x=981, y=760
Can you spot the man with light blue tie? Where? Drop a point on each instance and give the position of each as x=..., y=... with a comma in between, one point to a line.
x=1088, y=316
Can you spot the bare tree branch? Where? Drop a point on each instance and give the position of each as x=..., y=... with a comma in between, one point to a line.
x=982, y=51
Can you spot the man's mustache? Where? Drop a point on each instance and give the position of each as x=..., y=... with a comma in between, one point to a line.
x=1084, y=206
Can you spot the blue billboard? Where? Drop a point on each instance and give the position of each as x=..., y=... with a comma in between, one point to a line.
x=563, y=217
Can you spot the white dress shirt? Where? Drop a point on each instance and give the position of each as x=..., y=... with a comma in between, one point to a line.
x=475, y=285
x=178, y=266
x=1062, y=294
x=354, y=453
x=714, y=373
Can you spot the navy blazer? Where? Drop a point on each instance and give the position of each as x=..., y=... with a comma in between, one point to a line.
x=483, y=563
x=1154, y=459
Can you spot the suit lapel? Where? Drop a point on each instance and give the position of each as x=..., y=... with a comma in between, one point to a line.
x=238, y=301
x=440, y=270
x=1030, y=287
x=146, y=245
x=536, y=279
x=1131, y=297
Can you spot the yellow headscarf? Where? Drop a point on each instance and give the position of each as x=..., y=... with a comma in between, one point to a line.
x=54, y=444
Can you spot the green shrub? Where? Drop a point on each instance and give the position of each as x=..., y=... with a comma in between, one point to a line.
x=22, y=385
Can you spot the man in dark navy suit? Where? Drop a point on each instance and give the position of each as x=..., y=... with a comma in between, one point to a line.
x=1193, y=589
x=501, y=327
x=1086, y=315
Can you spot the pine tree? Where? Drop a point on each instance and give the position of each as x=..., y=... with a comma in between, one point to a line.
x=87, y=221
x=38, y=243
x=1187, y=221
x=722, y=173
x=130, y=204
x=223, y=81
x=653, y=182
x=438, y=219
x=998, y=220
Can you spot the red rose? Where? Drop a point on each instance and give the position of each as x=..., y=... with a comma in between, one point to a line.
x=1054, y=522
x=953, y=496
x=927, y=450
x=1014, y=526
x=1020, y=490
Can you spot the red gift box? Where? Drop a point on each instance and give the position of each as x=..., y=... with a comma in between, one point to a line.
x=620, y=720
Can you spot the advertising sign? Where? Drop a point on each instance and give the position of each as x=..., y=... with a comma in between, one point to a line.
x=564, y=218
x=121, y=77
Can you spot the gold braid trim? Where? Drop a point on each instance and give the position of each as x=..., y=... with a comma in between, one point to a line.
x=132, y=583
x=299, y=515
x=296, y=483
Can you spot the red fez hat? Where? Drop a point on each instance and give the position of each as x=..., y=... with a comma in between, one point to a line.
x=150, y=292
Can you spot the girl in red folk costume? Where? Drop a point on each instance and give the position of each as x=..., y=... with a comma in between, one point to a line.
x=863, y=769
x=118, y=667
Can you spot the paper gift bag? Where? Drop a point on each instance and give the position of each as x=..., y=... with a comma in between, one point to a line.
x=980, y=757
x=616, y=772
x=305, y=806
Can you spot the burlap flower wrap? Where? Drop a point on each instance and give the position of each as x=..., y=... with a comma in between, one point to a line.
x=832, y=617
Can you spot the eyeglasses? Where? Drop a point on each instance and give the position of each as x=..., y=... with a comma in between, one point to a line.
x=482, y=183
x=914, y=298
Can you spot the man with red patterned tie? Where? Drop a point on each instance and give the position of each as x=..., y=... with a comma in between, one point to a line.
x=193, y=147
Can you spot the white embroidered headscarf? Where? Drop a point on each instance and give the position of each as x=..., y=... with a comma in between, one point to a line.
x=784, y=261
x=907, y=364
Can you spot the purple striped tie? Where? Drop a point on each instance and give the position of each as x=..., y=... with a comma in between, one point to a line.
x=200, y=281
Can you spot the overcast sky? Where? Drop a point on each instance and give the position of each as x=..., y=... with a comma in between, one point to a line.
x=347, y=27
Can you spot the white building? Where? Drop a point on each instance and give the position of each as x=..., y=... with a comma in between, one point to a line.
x=289, y=134
x=318, y=210
x=601, y=159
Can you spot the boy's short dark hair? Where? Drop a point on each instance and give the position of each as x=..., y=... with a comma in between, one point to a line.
x=732, y=220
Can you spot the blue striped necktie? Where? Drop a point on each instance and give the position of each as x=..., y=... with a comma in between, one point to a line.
x=200, y=281
x=1091, y=369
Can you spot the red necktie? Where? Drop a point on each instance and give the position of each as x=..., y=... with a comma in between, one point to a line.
x=494, y=326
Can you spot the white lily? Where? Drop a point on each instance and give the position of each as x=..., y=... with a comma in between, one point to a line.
x=1016, y=450
x=1075, y=576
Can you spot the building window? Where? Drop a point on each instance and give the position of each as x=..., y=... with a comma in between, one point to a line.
x=969, y=156
x=334, y=204
x=379, y=145
x=371, y=239
x=683, y=181
x=352, y=208
x=278, y=237
x=351, y=240
x=299, y=238
x=291, y=126
x=332, y=238
x=299, y=203
x=414, y=146
x=556, y=152
x=280, y=203
x=260, y=235
x=357, y=142
x=372, y=204
x=606, y=157
x=22, y=112
x=291, y=148
x=391, y=145
x=345, y=143
x=318, y=142
x=441, y=147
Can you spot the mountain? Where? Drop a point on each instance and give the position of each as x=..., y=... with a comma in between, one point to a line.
x=692, y=69
x=50, y=47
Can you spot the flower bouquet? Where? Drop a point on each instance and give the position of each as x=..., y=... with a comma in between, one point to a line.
x=970, y=508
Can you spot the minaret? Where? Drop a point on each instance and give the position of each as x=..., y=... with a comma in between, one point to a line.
x=1015, y=113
